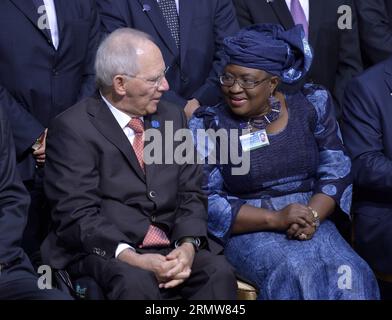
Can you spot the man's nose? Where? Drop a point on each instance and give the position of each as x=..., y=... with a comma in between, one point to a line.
x=164, y=85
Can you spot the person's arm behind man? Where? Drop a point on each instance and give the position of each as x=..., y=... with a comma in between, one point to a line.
x=25, y=128
x=14, y=199
x=88, y=84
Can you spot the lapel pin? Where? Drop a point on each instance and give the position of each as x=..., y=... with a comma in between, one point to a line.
x=146, y=7
x=155, y=124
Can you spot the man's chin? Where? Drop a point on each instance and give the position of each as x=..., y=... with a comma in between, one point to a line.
x=153, y=107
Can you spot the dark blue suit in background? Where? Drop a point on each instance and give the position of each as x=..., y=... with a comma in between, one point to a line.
x=17, y=277
x=375, y=30
x=367, y=132
x=195, y=66
x=37, y=82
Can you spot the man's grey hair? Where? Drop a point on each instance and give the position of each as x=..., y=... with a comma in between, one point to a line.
x=117, y=55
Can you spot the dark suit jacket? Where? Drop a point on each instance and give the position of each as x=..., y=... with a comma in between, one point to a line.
x=14, y=199
x=99, y=194
x=375, y=30
x=336, y=52
x=194, y=68
x=36, y=81
x=367, y=132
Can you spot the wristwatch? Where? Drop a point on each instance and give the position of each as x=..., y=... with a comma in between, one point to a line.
x=193, y=240
x=316, y=217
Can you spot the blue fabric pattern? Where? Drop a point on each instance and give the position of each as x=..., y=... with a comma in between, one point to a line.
x=329, y=168
x=345, y=200
x=329, y=189
x=305, y=158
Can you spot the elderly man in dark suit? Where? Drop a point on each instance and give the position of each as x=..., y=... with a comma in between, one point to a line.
x=17, y=277
x=367, y=133
x=47, y=50
x=337, y=55
x=138, y=228
x=189, y=34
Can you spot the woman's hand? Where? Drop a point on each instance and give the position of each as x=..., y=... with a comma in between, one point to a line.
x=293, y=214
x=299, y=233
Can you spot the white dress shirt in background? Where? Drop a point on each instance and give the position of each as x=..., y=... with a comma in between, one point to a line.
x=52, y=19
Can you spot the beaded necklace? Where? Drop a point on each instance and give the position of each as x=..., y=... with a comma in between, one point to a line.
x=263, y=121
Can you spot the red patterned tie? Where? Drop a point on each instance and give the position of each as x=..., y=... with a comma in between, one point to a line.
x=136, y=124
x=155, y=237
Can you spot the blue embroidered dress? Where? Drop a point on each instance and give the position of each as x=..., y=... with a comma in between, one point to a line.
x=305, y=158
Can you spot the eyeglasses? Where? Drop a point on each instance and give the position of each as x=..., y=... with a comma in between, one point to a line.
x=155, y=82
x=229, y=81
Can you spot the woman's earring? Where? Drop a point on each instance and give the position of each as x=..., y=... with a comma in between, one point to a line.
x=274, y=103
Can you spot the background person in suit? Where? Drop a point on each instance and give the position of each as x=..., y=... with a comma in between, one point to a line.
x=375, y=30
x=189, y=34
x=115, y=217
x=46, y=65
x=336, y=52
x=367, y=132
x=17, y=277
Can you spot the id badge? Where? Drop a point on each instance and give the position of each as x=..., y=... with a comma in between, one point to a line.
x=254, y=140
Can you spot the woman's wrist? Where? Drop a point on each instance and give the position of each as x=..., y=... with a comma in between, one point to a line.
x=274, y=220
x=316, y=217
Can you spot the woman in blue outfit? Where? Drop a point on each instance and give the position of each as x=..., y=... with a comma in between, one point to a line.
x=273, y=220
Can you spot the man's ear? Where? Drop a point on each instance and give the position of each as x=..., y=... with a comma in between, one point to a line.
x=118, y=83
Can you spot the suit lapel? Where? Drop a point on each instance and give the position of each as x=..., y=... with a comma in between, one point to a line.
x=107, y=125
x=148, y=120
x=187, y=7
x=316, y=12
x=151, y=9
x=283, y=13
x=30, y=11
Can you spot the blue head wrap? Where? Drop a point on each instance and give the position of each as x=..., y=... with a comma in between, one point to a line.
x=268, y=47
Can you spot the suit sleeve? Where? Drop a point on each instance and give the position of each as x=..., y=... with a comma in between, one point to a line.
x=364, y=139
x=349, y=57
x=14, y=199
x=225, y=24
x=72, y=187
x=375, y=30
x=114, y=14
x=25, y=128
x=191, y=214
x=88, y=85
x=243, y=15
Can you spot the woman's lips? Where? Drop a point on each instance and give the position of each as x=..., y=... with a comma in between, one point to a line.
x=237, y=101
